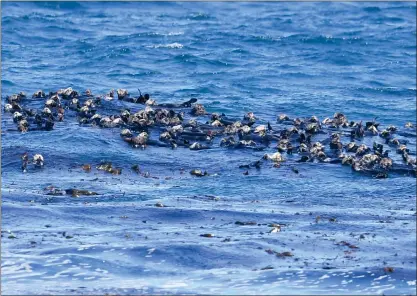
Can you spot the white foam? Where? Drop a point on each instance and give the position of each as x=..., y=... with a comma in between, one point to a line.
x=324, y=277
x=170, y=45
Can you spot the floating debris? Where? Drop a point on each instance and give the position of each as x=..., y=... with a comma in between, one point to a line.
x=79, y=192
x=136, y=168
x=245, y=223
x=198, y=173
x=284, y=254
x=86, y=167
x=344, y=243
x=107, y=167
x=55, y=191
x=278, y=254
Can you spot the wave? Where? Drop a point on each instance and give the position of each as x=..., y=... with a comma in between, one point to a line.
x=199, y=16
x=170, y=45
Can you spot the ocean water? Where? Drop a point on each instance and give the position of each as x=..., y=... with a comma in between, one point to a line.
x=301, y=59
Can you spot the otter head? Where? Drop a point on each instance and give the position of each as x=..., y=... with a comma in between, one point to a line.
x=321, y=155
x=282, y=145
x=198, y=109
x=409, y=125
x=362, y=149
x=351, y=146
x=245, y=129
x=230, y=141
x=385, y=134
x=60, y=117
x=293, y=130
x=250, y=116
x=314, y=119
x=150, y=112
x=373, y=129
x=8, y=107
x=195, y=146
x=23, y=126
x=38, y=94
x=68, y=93
x=216, y=123
x=335, y=137
x=260, y=129
x=89, y=103
x=117, y=121
x=17, y=116
x=74, y=101
x=143, y=135
x=50, y=103
x=327, y=121
x=125, y=115
x=96, y=118
x=230, y=129
x=38, y=160
x=282, y=117
x=385, y=163
x=394, y=141
x=122, y=93
x=312, y=128
x=352, y=124
x=177, y=129
x=348, y=160
x=83, y=120
x=150, y=102
x=403, y=149
x=126, y=133
x=303, y=148
x=215, y=116
x=104, y=122
x=165, y=136
x=392, y=128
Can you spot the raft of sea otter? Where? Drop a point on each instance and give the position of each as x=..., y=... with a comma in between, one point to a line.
x=298, y=136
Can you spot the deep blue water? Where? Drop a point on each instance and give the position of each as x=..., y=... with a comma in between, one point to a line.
x=271, y=58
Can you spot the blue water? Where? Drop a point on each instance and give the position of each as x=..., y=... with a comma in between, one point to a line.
x=270, y=58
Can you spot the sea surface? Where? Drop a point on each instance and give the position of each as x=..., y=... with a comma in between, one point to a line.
x=301, y=59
